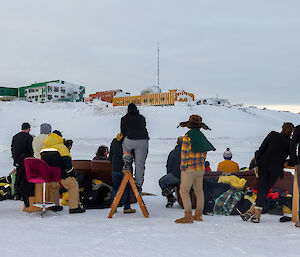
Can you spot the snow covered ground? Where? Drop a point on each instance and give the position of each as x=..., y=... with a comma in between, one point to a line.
x=92, y=234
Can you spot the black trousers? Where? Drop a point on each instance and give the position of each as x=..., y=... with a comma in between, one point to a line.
x=266, y=179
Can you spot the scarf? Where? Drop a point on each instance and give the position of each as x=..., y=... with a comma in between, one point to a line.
x=199, y=142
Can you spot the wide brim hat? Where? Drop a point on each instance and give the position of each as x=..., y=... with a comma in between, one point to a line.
x=195, y=121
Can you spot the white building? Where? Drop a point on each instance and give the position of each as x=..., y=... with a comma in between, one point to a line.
x=56, y=90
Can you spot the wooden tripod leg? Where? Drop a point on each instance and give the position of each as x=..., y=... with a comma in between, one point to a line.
x=119, y=194
x=138, y=197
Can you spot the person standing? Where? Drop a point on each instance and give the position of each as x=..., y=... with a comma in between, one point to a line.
x=270, y=159
x=193, y=154
x=21, y=148
x=37, y=143
x=115, y=156
x=295, y=157
x=136, y=138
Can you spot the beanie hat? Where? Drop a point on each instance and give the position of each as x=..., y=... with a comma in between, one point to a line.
x=57, y=133
x=227, y=154
x=25, y=125
x=45, y=128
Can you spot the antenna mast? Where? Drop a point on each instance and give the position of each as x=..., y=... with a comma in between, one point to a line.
x=158, y=64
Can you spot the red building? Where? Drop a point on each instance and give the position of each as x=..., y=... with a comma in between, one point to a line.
x=106, y=96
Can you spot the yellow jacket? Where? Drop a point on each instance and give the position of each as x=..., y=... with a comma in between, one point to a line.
x=228, y=166
x=56, y=142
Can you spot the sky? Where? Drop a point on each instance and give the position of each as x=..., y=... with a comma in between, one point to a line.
x=246, y=51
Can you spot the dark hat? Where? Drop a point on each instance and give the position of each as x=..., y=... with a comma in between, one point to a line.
x=25, y=125
x=195, y=121
x=132, y=108
x=57, y=133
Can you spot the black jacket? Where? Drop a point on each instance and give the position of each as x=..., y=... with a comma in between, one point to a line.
x=295, y=155
x=273, y=152
x=173, y=162
x=53, y=159
x=21, y=147
x=133, y=126
x=116, y=155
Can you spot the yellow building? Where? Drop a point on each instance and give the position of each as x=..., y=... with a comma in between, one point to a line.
x=168, y=98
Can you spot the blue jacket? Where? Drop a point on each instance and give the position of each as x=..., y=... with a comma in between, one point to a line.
x=173, y=162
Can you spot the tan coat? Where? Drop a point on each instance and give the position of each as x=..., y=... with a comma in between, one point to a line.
x=37, y=144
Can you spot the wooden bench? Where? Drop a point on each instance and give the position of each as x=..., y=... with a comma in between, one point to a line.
x=285, y=183
x=98, y=170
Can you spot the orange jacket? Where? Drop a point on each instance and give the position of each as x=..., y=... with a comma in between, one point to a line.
x=228, y=166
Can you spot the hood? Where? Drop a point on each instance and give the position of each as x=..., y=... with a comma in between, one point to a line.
x=53, y=139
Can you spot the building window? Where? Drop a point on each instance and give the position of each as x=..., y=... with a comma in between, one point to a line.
x=49, y=88
x=56, y=89
x=63, y=90
x=56, y=96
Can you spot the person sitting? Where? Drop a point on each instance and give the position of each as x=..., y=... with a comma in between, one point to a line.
x=116, y=158
x=169, y=181
x=228, y=165
x=207, y=166
x=68, y=143
x=101, y=153
x=56, y=154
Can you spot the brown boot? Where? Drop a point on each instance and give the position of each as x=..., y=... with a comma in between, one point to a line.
x=297, y=224
x=188, y=218
x=248, y=214
x=198, y=215
x=257, y=214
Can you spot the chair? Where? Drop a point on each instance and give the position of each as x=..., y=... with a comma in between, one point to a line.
x=38, y=171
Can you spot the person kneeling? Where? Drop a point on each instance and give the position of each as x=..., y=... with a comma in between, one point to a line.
x=56, y=154
x=168, y=183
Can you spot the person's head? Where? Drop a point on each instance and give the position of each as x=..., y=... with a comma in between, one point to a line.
x=25, y=127
x=132, y=108
x=179, y=140
x=68, y=143
x=45, y=128
x=195, y=121
x=287, y=129
x=206, y=164
x=227, y=154
x=102, y=151
x=57, y=133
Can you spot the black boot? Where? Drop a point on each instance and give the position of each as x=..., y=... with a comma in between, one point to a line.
x=171, y=200
x=127, y=158
x=79, y=209
x=168, y=190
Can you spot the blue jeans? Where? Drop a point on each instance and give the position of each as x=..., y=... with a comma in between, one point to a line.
x=116, y=180
x=168, y=179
